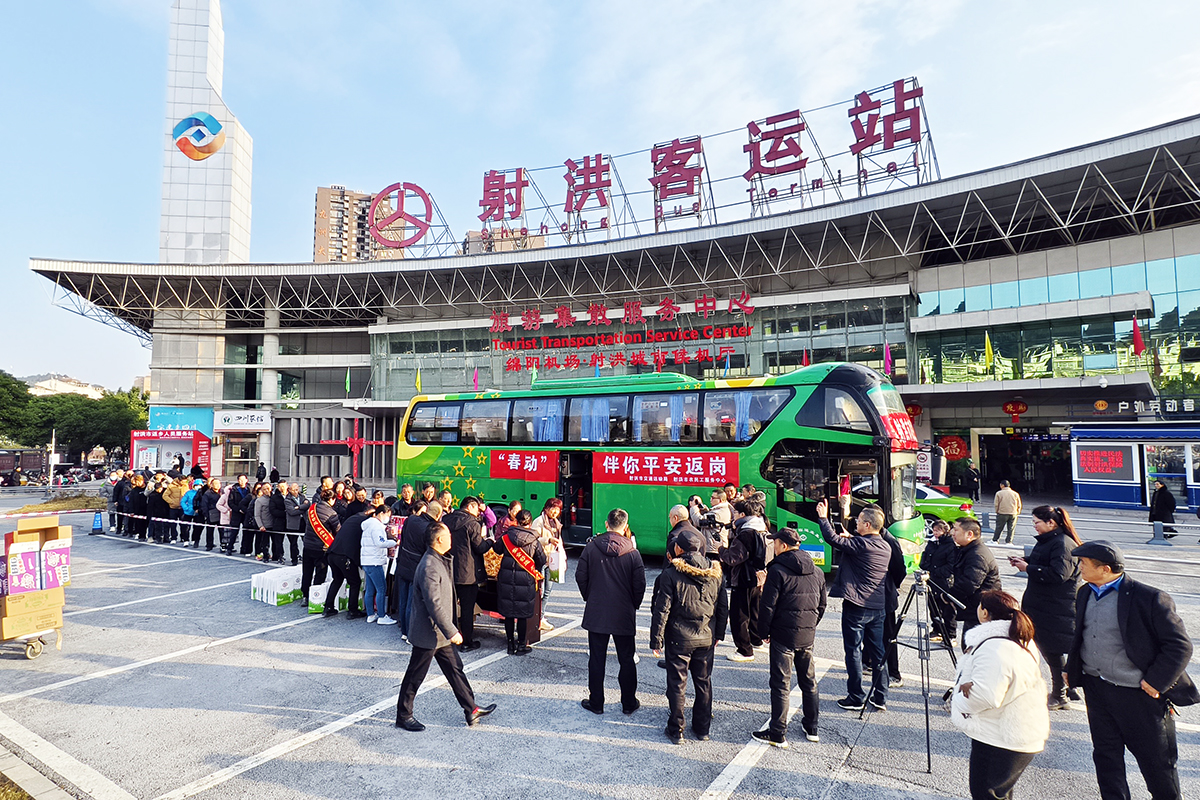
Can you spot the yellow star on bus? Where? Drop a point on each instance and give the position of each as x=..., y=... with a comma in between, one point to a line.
x=483, y=458
x=447, y=483
x=495, y=394
x=468, y=451
x=470, y=484
x=458, y=468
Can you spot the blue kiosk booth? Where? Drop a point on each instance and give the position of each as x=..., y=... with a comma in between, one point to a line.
x=1115, y=464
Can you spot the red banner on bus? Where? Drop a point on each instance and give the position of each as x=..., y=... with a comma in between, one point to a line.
x=524, y=465
x=669, y=468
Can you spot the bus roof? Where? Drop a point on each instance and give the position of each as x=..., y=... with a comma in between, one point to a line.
x=853, y=374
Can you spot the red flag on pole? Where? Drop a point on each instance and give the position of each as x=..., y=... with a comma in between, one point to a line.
x=1139, y=346
x=804, y=358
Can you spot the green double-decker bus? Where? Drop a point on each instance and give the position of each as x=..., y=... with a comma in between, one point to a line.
x=647, y=442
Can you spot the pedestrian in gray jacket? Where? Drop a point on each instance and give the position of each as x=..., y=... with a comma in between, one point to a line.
x=433, y=635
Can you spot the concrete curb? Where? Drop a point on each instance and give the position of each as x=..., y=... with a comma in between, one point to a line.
x=29, y=779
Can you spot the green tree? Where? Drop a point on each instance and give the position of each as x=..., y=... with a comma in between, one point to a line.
x=14, y=403
x=80, y=423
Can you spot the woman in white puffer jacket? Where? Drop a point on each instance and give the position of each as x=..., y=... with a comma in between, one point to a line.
x=999, y=697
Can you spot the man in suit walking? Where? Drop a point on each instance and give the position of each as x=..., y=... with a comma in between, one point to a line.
x=1129, y=655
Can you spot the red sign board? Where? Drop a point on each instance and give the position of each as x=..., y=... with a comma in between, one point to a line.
x=955, y=446
x=156, y=450
x=524, y=465
x=900, y=428
x=669, y=468
x=1014, y=407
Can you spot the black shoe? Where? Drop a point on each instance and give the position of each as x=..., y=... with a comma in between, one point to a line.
x=512, y=646
x=209, y=549
x=1058, y=702
x=765, y=736
x=1073, y=694
x=674, y=738
x=522, y=649
x=329, y=612
x=877, y=706
x=295, y=563
x=587, y=705
x=479, y=713
x=662, y=664
x=356, y=614
x=849, y=705
x=467, y=647
x=627, y=710
x=702, y=737
x=410, y=724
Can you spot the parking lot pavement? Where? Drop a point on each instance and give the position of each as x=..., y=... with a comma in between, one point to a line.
x=173, y=683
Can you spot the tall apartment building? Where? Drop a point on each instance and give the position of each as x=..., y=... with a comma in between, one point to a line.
x=341, y=228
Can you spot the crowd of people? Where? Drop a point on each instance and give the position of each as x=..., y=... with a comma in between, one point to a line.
x=728, y=572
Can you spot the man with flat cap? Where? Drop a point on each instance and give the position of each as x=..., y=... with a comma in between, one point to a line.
x=688, y=607
x=793, y=602
x=1129, y=655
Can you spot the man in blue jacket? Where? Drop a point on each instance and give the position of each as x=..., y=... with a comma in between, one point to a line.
x=862, y=585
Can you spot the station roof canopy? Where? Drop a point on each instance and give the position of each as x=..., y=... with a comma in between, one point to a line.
x=1130, y=184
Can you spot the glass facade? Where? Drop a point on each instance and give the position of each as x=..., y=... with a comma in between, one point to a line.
x=776, y=341
x=1073, y=347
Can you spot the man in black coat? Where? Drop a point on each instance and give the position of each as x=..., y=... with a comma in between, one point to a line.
x=120, y=492
x=974, y=573
x=315, y=566
x=862, y=585
x=938, y=561
x=793, y=602
x=414, y=540
x=433, y=635
x=279, y=520
x=688, y=607
x=612, y=579
x=680, y=521
x=467, y=547
x=343, y=558
x=1162, y=506
x=1130, y=655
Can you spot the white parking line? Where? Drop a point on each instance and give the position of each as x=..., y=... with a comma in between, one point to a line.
x=283, y=748
x=81, y=775
x=736, y=770
x=75, y=575
x=104, y=673
x=152, y=599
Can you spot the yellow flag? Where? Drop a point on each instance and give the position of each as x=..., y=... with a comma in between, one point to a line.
x=419, y=373
x=988, y=355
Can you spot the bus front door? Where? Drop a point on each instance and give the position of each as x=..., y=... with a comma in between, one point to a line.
x=575, y=491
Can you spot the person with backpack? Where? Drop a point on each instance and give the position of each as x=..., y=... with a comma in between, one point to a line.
x=745, y=561
x=209, y=515
x=187, y=512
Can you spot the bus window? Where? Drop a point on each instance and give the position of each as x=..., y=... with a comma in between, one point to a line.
x=739, y=416
x=433, y=424
x=598, y=419
x=666, y=418
x=831, y=407
x=485, y=421
x=538, y=419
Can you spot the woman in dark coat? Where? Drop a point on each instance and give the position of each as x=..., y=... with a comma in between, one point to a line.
x=516, y=589
x=135, y=506
x=1050, y=594
x=1162, y=506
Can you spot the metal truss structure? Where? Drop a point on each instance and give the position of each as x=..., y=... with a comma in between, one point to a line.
x=1134, y=184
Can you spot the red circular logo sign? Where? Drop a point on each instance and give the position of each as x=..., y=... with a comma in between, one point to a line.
x=955, y=446
x=1014, y=407
x=389, y=225
x=914, y=410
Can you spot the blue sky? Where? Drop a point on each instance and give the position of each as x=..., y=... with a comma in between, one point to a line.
x=370, y=93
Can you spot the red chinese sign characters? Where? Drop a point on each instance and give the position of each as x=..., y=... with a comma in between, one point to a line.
x=677, y=170
x=784, y=154
x=955, y=446
x=500, y=194
x=583, y=181
x=670, y=468
x=524, y=465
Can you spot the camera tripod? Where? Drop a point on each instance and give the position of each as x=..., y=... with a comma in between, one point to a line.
x=928, y=594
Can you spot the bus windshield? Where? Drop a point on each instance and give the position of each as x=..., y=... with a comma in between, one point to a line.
x=896, y=422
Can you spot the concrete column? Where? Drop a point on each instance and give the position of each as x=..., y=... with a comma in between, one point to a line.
x=270, y=382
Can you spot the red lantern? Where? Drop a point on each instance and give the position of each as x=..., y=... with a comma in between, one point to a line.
x=914, y=410
x=1016, y=408
x=955, y=446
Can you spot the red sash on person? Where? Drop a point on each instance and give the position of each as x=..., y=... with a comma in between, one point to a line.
x=522, y=558
x=317, y=527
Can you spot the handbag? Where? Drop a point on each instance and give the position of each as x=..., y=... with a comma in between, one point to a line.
x=491, y=564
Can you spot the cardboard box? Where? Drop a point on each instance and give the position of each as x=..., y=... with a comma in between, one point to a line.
x=17, y=537
x=276, y=587
x=55, y=533
x=23, y=624
x=30, y=602
x=55, y=563
x=37, y=523
x=19, y=569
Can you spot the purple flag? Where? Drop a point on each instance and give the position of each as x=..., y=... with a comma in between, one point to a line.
x=475, y=379
x=887, y=359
